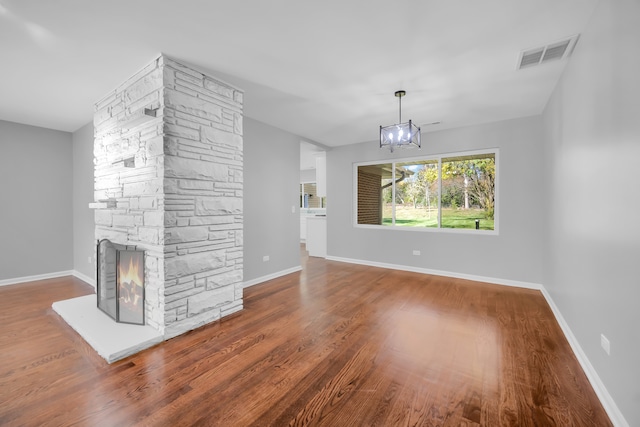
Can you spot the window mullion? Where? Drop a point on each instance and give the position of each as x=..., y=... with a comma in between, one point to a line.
x=439, y=191
x=393, y=194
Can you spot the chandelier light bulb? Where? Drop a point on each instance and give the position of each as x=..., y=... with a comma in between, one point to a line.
x=394, y=136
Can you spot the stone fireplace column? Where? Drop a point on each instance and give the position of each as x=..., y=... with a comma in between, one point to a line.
x=168, y=179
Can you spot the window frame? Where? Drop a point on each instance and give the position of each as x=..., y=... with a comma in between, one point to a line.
x=429, y=158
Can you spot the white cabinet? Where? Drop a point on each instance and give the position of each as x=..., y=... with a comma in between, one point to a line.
x=317, y=236
x=303, y=228
x=321, y=174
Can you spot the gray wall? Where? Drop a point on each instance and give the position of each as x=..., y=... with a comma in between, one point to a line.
x=513, y=255
x=271, y=188
x=593, y=127
x=271, y=179
x=51, y=174
x=83, y=222
x=36, y=196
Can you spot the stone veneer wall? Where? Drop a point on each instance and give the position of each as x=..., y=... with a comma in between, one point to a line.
x=182, y=202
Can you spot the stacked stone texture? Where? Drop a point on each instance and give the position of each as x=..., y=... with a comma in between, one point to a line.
x=182, y=202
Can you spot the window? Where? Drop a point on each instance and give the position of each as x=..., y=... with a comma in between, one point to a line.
x=441, y=192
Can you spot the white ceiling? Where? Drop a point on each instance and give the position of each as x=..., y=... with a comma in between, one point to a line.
x=325, y=70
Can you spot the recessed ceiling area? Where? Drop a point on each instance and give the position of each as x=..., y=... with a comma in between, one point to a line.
x=326, y=71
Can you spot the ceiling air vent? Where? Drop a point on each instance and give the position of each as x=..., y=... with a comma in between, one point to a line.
x=553, y=51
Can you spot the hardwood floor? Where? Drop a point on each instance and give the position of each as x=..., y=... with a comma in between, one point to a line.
x=334, y=345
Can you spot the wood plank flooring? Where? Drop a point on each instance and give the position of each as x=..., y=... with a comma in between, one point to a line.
x=334, y=345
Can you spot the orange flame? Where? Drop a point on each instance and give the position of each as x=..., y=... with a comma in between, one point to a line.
x=131, y=274
x=133, y=277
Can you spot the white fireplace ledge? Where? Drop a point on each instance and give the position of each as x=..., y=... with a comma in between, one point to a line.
x=111, y=340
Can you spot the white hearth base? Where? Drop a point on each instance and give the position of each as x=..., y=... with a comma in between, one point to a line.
x=111, y=340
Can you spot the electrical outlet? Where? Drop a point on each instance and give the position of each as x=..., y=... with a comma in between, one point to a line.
x=416, y=252
x=265, y=258
x=293, y=209
x=89, y=260
x=604, y=342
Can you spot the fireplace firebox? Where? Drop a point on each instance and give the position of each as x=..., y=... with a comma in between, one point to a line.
x=120, y=282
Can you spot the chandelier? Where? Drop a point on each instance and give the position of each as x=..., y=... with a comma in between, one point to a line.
x=401, y=134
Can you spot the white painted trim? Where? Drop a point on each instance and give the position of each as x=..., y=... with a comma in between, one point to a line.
x=598, y=386
x=258, y=280
x=504, y=282
x=85, y=278
x=17, y=280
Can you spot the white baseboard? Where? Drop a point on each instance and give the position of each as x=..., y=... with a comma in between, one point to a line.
x=515, y=283
x=92, y=282
x=271, y=276
x=607, y=401
x=17, y=280
x=85, y=278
